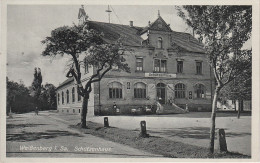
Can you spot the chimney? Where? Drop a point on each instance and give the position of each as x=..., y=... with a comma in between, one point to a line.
x=131, y=23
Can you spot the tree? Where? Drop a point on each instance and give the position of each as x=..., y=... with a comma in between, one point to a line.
x=240, y=88
x=48, y=97
x=37, y=84
x=223, y=30
x=78, y=41
x=18, y=98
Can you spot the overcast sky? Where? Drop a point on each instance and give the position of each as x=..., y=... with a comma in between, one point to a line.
x=28, y=25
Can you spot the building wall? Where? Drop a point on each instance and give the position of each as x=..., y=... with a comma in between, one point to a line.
x=75, y=107
x=189, y=78
x=229, y=105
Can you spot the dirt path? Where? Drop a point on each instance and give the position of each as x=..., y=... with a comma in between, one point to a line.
x=46, y=135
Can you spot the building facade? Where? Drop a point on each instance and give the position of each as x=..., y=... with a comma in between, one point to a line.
x=166, y=66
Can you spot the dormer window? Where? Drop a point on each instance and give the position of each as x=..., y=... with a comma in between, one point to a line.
x=159, y=43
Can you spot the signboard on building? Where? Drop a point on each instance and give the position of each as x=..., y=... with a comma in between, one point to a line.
x=160, y=75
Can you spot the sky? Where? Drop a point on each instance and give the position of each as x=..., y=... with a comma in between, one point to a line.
x=28, y=25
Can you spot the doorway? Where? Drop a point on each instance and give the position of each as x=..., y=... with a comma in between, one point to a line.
x=161, y=93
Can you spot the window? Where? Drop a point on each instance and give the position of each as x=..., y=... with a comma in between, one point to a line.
x=159, y=43
x=85, y=66
x=79, y=97
x=179, y=66
x=159, y=65
x=128, y=85
x=180, y=90
x=73, y=94
x=139, y=64
x=62, y=96
x=200, y=91
x=68, y=96
x=139, y=90
x=198, y=67
x=58, y=98
x=115, y=90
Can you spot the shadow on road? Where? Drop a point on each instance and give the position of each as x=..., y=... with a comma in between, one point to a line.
x=32, y=136
x=194, y=133
x=23, y=125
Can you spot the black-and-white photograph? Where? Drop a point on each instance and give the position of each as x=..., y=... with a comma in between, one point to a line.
x=129, y=81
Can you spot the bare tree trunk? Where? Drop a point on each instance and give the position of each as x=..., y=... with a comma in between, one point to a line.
x=84, y=111
x=213, y=118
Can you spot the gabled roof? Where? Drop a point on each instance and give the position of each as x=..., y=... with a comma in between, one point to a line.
x=187, y=42
x=67, y=81
x=112, y=32
x=159, y=25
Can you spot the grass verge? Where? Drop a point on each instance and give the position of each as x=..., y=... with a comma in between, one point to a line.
x=153, y=144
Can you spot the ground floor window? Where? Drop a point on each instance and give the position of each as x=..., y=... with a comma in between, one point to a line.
x=200, y=91
x=115, y=90
x=139, y=90
x=180, y=90
x=62, y=96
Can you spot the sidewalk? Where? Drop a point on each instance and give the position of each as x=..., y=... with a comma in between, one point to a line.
x=48, y=135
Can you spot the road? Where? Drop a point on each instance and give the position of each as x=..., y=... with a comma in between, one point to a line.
x=191, y=128
x=48, y=135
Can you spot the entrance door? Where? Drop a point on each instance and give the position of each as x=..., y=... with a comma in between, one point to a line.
x=161, y=92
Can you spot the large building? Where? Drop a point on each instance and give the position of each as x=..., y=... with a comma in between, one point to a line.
x=166, y=66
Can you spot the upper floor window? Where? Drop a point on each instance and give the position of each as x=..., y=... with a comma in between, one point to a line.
x=58, y=98
x=139, y=90
x=179, y=66
x=68, y=96
x=159, y=43
x=198, y=67
x=159, y=65
x=115, y=90
x=180, y=90
x=62, y=97
x=73, y=94
x=200, y=91
x=139, y=64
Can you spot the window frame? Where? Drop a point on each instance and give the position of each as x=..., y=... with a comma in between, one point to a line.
x=179, y=66
x=73, y=94
x=140, y=93
x=62, y=94
x=115, y=92
x=199, y=68
x=202, y=91
x=159, y=43
x=58, y=98
x=180, y=91
x=68, y=96
x=160, y=65
x=137, y=63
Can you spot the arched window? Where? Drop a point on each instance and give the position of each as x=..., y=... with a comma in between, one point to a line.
x=62, y=96
x=68, y=96
x=139, y=90
x=115, y=90
x=200, y=91
x=79, y=97
x=73, y=94
x=180, y=90
x=58, y=98
x=159, y=43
